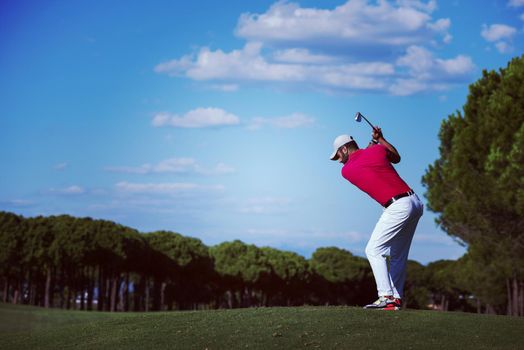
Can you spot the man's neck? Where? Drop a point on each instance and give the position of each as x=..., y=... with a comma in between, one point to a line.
x=352, y=150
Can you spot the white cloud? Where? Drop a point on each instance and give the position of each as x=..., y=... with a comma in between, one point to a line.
x=355, y=22
x=220, y=168
x=61, y=166
x=196, y=118
x=496, y=32
x=447, y=38
x=503, y=47
x=174, y=67
x=172, y=188
x=225, y=87
x=248, y=64
x=427, y=72
x=175, y=165
x=516, y=3
x=457, y=66
x=171, y=165
x=266, y=205
x=354, y=47
x=297, y=55
x=67, y=191
x=245, y=64
x=522, y=17
x=419, y=61
x=430, y=6
x=442, y=25
x=293, y=121
x=422, y=63
x=406, y=87
x=501, y=35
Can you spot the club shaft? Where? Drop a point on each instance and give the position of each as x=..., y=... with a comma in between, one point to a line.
x=366, y=119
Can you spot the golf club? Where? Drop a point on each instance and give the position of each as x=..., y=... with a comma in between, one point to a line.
x=358, y=118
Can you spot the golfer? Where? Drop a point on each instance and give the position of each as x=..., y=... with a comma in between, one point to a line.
x=371, y=170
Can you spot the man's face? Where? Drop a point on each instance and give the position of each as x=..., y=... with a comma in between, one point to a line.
x=343, y=154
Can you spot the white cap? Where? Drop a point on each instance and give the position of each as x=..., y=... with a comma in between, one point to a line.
x=339, y=142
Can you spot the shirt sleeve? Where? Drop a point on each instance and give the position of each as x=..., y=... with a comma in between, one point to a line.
x=383, y=150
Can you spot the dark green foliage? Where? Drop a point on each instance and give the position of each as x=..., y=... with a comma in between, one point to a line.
x=68, y=262
x=338, y=265
x=417, y=294
x=236, y=259
x=182, y=267
x=245, y=272
x=12, y=242
x=350, y=279
x=291, y=277
x=81, y=263
x=477, y=185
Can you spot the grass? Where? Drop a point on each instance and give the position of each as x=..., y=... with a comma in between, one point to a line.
x=23, y=327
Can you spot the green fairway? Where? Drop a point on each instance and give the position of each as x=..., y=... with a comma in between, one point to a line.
x=23, y=327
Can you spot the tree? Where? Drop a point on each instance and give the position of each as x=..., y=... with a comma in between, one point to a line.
x=289, y=283
x=448, y=285
x=477, y=184
x=109, y=257
x=135, y=249
x=181, y=270
x=245, y=270
x=37, y=254
x=350, y=278
x=11, y=251
x=416, y=293
x=67, y=252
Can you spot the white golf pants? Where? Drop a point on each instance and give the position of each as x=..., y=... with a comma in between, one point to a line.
x=392, y=237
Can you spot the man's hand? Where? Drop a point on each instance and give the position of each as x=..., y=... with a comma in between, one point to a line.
x=392, y=153
x=377, y=133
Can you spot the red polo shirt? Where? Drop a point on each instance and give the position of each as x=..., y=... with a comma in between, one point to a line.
x=370, y=170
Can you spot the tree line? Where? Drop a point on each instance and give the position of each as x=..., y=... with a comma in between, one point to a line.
x=86, y=264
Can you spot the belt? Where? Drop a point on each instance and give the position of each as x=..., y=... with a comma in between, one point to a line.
x=397, y=197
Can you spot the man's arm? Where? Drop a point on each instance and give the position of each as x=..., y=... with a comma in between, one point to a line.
x=392, y=152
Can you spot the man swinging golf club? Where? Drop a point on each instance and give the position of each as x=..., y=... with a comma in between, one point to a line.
x=371, y=170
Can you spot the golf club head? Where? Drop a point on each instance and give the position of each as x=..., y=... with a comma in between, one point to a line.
x=358, y=117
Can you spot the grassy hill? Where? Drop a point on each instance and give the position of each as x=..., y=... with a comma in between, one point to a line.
x=23, y=327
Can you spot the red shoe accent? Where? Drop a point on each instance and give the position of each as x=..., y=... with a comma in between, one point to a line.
x=394, y=305
x=391, y=307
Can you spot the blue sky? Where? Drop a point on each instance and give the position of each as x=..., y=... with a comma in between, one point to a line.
x=216, y=119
